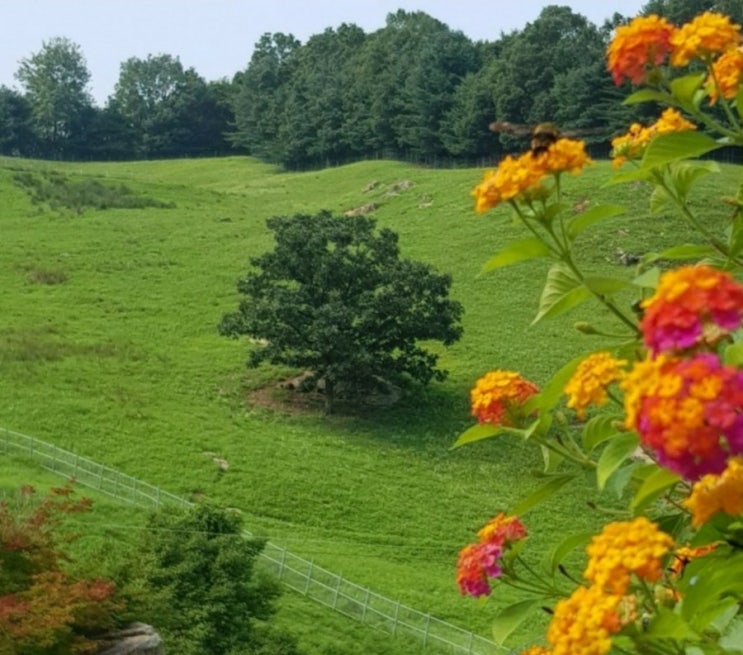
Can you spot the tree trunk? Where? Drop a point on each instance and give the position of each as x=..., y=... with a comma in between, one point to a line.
x=329, y=396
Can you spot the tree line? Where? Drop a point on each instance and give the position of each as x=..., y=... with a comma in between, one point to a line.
x=414, y=90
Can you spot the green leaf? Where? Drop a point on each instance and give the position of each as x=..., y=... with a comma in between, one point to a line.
x=553, y=390
x=676, y=145
x=688, y=251
x=732, y=640
x=635, y=175
x=542, y=493
x=518, y=251
x=684, y=89
x=551, y=459
x=684, y=174
x=739, y=103
x=646, y=95
x=668, y=625
x=654, y=486
x=615, y=454
x=733, y=355
x=561, y=293
x=599, y=429
x=511, y=617
x=605, y=286
x=482, y=431
x=649, y=279
x=565, y=547
x=591, y=216
x=660, y=200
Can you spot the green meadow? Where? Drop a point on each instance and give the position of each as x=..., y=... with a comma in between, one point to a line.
x=109, y=348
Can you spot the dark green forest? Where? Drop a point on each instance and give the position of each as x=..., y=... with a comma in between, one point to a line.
x=413, y=90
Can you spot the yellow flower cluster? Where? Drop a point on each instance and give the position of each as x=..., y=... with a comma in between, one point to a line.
x=624, y=548
x=588, y=384
x=717, y=493
x=583, y=623
x=536, y=650
x=707, y=34
x=726, y=75
x=632, y=144
x=520, y=176
x=498, y=396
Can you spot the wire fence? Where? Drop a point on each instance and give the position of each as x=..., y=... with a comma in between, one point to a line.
x=301, y=575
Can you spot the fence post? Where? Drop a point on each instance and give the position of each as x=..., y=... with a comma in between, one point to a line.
x=157, y=501
x=425, y=632
x=281, y=564
x=309, y=578
x=395, y=618
x=472, y=639
x=337, y=589
x=366, y=604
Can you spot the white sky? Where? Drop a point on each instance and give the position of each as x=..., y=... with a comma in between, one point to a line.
x=216, y=37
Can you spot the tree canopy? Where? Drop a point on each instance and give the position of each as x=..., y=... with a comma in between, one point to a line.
x=335, y=298
x=414, y=89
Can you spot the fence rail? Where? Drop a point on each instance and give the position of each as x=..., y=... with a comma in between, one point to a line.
x=301, y=575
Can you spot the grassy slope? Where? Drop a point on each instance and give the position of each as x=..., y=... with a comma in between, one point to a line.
x=122, y=361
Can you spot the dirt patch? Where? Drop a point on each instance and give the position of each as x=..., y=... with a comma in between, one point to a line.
x=289, y=396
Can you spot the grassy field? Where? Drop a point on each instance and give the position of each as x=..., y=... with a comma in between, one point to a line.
x=108, y=347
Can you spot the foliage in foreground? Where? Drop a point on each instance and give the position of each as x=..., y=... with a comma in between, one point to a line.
x=665, y=577
x=194, y=578
x=44, y=609
x=334, y=297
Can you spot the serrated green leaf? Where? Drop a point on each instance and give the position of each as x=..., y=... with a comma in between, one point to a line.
x=542, y=493
x=660, y=200
x=562, y=291
x=619, y=480
x=684, y=89
x=649, y=279
x=614, y=455
x=519, y=251
x=688, y=251
x=684, y=174
x=592, y=216
x=646, y=95
x=676, y=145
x=599, y=429
x=484, y=431
x=605, y=286
x=739, y=102
x=565, y=547
x=511, y=617
x=654, y=486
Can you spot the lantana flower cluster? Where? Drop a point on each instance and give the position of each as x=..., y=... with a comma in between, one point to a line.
x=683, y=402
x=647, y=42
x=588, y=385
x=518, y=177
x=692, y=305
x=632, y=144
x=717, y=493
x=498, y=395
x=481, y=561
x=585, y=621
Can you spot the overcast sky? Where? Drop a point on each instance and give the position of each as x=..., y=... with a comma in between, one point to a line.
x=216, y=37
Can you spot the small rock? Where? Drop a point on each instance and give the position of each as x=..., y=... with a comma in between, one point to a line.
x=136, y=639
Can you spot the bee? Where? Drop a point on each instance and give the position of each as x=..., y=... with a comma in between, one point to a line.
x=542, y=135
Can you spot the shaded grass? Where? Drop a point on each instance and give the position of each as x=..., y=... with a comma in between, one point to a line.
x=122, y=362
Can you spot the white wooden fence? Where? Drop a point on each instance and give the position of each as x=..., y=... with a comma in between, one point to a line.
x=332, y=590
